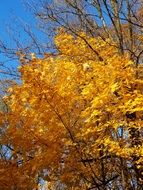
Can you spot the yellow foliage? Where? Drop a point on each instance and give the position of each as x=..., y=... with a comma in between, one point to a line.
x=70, y=108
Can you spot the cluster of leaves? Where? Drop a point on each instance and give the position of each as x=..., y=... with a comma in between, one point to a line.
x=75, y=120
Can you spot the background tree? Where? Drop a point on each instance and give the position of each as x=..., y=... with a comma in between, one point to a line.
x=118, y=20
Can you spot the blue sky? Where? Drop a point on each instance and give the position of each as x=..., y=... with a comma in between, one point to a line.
x=14, y=13
x=8, y=7
x=10, y=11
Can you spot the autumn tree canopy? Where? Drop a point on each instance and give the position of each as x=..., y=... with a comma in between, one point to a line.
x=75, y=120
x=73, y=117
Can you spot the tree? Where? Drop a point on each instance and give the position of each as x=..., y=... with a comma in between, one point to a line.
x=118, y=20
x=75, y=120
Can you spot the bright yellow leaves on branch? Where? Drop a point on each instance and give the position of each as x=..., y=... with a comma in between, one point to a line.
x=75, y=119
